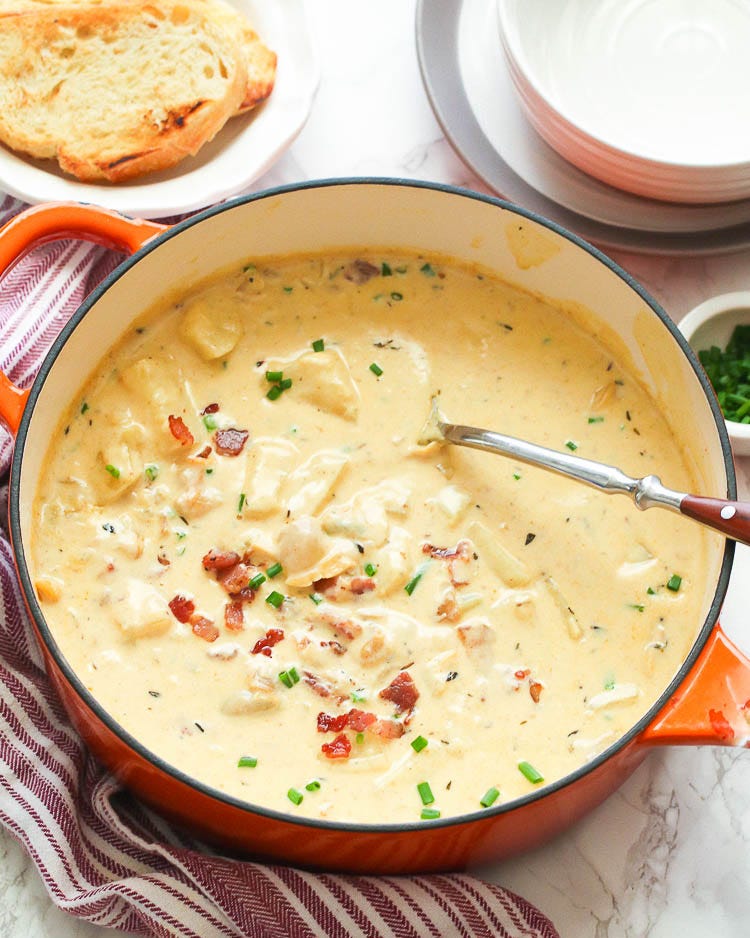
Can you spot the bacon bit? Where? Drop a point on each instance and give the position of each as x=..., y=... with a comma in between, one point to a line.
x=235, y=579
x=449, y=609
x=339, y=748
x=220, y=559
x=204, y=628
x=234, y=618
x=522, y=673
x=336, y=647
x=264, y=645
x=388, y=729
x=327, y=583
x=360, y=720
x=209, y=409
x=360, y=271
x=204, y=453
x=179, y=431
x=344, y=627
x=361, y=584
x=231, y=441
x=402, y=692
x=164, y=561
x=182, y=608
x=535, y=689
x=320, y=687
x=462, y=551
x=721, y=726
x=327, y=723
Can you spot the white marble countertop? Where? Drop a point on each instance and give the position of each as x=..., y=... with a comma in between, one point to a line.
x=669, y=853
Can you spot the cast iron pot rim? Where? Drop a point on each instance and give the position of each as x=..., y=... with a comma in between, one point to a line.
x=287, y=818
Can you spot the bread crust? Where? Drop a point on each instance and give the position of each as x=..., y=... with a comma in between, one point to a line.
x=101, y=86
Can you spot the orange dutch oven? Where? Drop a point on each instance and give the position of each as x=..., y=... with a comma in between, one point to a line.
x=708, y=700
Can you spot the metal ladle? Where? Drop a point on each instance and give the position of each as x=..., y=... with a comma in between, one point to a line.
x=731, y=518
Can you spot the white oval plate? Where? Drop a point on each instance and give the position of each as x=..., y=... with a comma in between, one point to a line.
x=241, y=152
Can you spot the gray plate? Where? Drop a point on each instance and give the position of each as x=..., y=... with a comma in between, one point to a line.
x=437, y=30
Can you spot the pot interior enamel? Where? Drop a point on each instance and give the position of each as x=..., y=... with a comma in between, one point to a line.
x=523, y=250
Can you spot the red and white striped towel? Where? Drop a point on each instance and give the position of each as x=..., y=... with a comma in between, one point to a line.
x=101, y=854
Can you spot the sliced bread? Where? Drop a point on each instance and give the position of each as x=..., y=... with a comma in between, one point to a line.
x=260, y=61
x=114, y=90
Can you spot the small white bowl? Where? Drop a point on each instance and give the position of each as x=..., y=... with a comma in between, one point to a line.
x=712, y=323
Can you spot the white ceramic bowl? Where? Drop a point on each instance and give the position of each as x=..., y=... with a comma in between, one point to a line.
x=712, y=323
x=648, y=97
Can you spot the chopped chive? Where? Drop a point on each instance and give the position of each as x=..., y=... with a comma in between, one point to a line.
x=314, y=785
x=516, y=476
x=241, y=502
x=397, y=296
x=289, y=677
x=273, y=376
x=674, y=582
x=425, y=793
x=209, y=422
x=247, y=762
x=257, y=581
x=295, y=796
x=360, y=738
x=651, y=592
x=113, y=471
x=285, y=384
x=385, y=270
x=609, y=682
x=639, y=607
x=571, y=445
x=316, y=598
x=370, y=569
x=596, y=419
x=275, y=599
x=318, y=345
x=430, y=814
x=274, y=393
x=358, y=696
x=412, y=584
x=428, y=270
x=490, y=797
x=376, y=369
x=152, y=472
x=274, y=570
x=288, y=289
x=529, y=772
x=418, y=744
x=84, y=407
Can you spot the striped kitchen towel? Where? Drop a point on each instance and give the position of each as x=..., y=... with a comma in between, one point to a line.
x=101, y=854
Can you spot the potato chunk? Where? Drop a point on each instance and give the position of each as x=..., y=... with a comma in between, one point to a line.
x=308, y=554
x=142, y=611
x=311, y=483
x=322, y=379
x=211, y=335
x=268, y=464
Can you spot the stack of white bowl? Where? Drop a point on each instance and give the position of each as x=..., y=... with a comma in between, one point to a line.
x=649, y=96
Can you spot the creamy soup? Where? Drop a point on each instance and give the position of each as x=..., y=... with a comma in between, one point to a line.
x=246, y=557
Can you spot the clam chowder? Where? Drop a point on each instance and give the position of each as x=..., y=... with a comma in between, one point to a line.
x=249, y=561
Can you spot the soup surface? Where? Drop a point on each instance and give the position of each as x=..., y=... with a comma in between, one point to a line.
x=250, y=562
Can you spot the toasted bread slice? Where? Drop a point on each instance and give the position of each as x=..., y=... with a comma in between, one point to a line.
x=116, y=90
x=260, y=61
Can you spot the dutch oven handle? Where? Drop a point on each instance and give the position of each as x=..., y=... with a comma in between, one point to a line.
x=712, y=704
x=55, y=222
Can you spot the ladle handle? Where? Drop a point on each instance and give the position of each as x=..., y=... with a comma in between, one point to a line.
x=731, y=518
